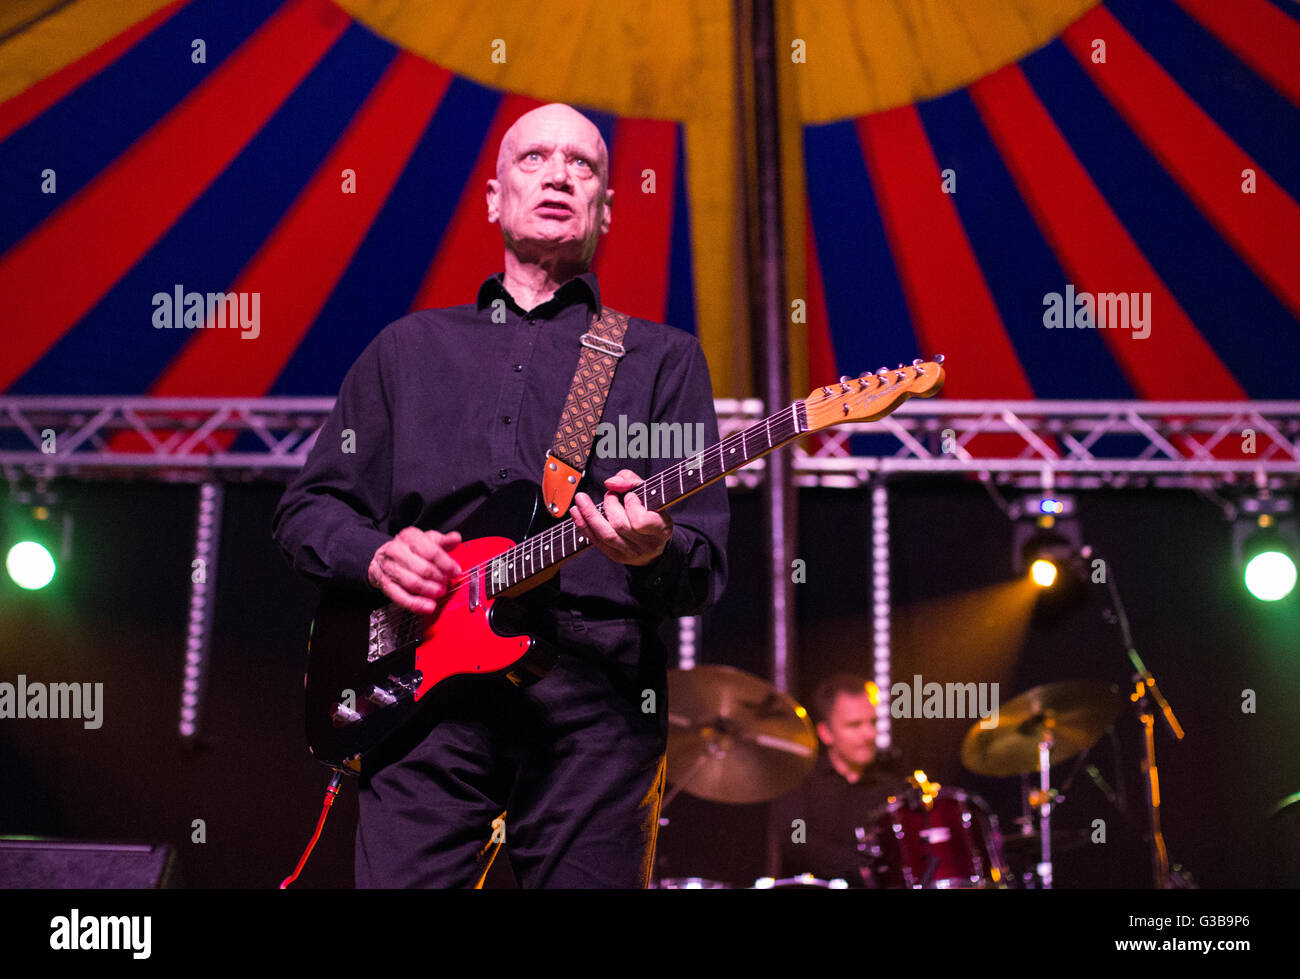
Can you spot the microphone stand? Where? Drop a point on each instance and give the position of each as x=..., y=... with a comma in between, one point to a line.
x=1145, y=689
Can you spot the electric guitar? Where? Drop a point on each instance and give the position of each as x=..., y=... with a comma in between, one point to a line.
x=370, y=661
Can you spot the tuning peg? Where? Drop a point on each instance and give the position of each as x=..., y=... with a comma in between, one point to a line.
x=883, y=371
x=938, y=358
x=917, y=362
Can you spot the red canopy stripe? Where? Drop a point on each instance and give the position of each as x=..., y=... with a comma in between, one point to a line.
x=1257, y=33
x=1262, y=227
x=298, y=266
x=633, y=263
x=952, y=309
x=31, y=102
x=106, y=229
x=1093, y=247
x=471, y=249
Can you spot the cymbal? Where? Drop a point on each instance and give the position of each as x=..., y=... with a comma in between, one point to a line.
x=1075, y=713
x=732, y=737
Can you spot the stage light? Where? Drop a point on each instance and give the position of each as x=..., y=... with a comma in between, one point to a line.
x=1265, y=545
x=1270, y=576
x=37, y=538
x=1043, y=572
x=30, y=565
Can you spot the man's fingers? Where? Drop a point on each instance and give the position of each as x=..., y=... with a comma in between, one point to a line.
x=414, y=603
x=398, y=554
x=412, y=582
x=597, y=527
x=432, y=547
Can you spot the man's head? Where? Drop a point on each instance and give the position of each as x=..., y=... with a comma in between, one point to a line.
x=551, y=194
x=845, y=710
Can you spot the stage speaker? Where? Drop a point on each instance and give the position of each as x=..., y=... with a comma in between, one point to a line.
x=63, y=864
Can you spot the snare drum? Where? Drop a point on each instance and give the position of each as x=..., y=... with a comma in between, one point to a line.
x=950, y=841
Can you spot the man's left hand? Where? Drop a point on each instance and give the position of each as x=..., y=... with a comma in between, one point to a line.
x=627, y=532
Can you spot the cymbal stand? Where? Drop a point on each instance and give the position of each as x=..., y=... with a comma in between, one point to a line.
x=1045, y=809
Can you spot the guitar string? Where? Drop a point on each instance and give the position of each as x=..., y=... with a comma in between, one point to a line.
x=407, y=618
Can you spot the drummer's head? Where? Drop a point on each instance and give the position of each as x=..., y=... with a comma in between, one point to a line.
x=845, y=710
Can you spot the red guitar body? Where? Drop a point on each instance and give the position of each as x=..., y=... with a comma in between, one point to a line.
x=371, y=663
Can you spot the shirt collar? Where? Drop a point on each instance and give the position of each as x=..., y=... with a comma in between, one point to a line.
x=581, y=288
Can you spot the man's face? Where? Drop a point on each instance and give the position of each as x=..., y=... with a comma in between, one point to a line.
x=549, y=194
x=850, y=731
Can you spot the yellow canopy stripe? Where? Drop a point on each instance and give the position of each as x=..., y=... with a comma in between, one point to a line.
x=41, y=37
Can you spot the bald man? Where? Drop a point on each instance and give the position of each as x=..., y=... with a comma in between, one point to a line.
x=444, y=407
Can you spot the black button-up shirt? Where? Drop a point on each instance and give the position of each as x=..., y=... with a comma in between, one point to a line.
x=445, y=405
x=832, y=809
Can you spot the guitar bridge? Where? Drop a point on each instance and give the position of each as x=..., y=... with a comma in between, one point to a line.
x=383, y=637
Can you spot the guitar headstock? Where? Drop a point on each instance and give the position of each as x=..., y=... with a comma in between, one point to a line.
x=868, y=397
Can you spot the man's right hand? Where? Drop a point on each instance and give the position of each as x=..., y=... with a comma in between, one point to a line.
x=414, y=568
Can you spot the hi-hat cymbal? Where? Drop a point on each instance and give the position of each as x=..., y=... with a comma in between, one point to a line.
x=1074, y=713
x=732, y=737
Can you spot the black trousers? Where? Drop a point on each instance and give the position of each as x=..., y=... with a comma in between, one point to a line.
x=576, y=760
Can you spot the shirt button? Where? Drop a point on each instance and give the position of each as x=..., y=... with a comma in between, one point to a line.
x=518, y=368
x=506, y=419
x=503, y=473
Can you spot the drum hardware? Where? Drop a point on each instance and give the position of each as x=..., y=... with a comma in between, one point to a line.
x=733, y=737
x=804, y=882
x=932, y=837
x=1044, y=725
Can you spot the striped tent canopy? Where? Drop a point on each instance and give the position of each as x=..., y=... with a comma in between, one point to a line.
x=946, y=172
x=1153, y=148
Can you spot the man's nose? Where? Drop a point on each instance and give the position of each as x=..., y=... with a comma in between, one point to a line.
x=555, y=171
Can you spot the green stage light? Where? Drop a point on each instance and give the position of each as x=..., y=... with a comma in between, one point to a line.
x=30, y=565
x=1270, y=576
x=1266, y=544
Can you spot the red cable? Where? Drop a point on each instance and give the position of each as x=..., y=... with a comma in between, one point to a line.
x=331, y=794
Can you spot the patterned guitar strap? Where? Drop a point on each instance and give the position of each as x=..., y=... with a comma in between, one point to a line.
x=566, y=462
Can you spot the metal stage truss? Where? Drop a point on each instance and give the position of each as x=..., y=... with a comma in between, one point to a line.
x=1222, y=449
x=1197, y=445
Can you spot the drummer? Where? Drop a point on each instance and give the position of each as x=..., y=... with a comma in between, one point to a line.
x=816, y=823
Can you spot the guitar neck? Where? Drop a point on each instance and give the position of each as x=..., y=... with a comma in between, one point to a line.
x=660, y=491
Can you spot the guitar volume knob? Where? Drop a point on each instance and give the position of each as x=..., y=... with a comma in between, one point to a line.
x=344, y=715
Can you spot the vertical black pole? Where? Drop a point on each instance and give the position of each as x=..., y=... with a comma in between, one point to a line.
x=766, y=253
x=773, y=336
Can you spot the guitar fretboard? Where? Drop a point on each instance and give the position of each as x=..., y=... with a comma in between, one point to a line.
x=540, y=552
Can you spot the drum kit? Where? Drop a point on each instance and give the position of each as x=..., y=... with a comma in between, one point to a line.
x=734, y=738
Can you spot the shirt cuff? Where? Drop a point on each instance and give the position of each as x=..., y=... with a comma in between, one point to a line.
x=356, y=547
x=657, y=581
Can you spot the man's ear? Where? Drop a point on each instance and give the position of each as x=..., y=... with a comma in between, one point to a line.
x=605, y=218
x=824, y=733
x=493, y=199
